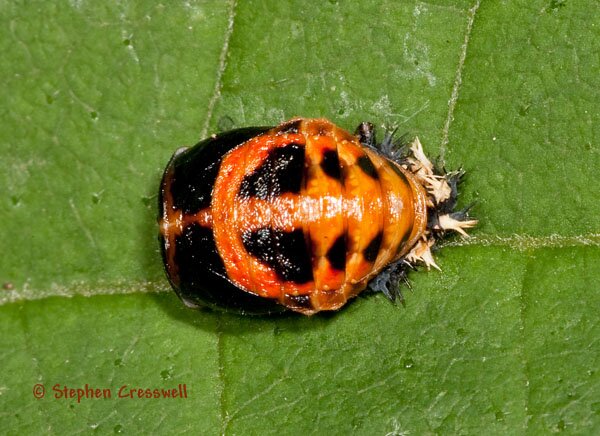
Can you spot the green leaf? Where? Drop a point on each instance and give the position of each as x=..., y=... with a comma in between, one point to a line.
x=97, y=97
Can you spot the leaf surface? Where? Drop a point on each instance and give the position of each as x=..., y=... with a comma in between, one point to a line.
x=96, y=99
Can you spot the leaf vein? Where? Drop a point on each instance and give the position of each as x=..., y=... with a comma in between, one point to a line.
x=86, y=231
x=221, y=68
x=458, y=79
x=527, y=242
x=81, y=288
x=248, y=402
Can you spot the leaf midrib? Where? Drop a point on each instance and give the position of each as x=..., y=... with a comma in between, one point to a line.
x=519, y=243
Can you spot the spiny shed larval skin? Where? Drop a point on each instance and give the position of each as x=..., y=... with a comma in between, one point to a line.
x=300, y=216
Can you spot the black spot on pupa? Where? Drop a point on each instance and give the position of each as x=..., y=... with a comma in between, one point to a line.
x=293, y=256
x=330, y=164
x=286, y=252
x=281, y=172
x=336, y=255
x=256, y=184
x=371, y=251
x=259, y=244
x=365, y=164
x=288, y=169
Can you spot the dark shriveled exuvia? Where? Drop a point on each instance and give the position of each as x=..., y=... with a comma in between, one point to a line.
x=301, y=216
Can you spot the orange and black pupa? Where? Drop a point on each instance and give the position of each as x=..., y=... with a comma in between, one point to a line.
x=302, y=216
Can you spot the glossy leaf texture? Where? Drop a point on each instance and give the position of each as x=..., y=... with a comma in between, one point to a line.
x=97, y=96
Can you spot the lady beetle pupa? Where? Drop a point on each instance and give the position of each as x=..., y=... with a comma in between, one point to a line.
x=302, y=216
